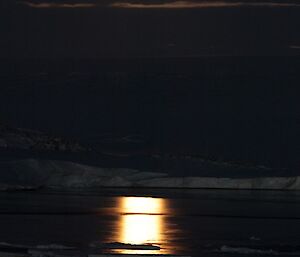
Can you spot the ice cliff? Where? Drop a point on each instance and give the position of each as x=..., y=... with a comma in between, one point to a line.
x=33, y=173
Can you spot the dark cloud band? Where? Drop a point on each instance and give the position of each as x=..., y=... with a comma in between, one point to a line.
x=57, y=5
x=204, y=4
x=162, y=5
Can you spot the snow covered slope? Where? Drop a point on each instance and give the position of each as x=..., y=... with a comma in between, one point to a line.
x=26, y=139
x=33, y=173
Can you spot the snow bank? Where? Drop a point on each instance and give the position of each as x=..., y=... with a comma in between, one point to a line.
x=288, y=183
x=254, y=251
x=245, y=250
x=32, y=173
x=62, y=174
x=54, y=247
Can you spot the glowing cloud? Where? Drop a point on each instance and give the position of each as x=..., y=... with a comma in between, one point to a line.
x=162, y=5
x=58, y=5
x=204, y=4
x=295, y=47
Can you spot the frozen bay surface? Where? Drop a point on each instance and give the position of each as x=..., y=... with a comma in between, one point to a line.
x=183, y=222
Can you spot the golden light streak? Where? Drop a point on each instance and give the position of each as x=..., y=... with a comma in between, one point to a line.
x=143, y=205
x=141, y=223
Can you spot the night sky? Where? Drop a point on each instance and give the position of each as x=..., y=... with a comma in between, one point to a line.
x=104, y=29
x=174, y=94
x=163, y=94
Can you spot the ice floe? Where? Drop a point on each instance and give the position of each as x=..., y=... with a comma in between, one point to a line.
x=117, y=245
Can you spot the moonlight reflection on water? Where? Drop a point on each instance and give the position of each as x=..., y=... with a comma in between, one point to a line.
x=142, y=222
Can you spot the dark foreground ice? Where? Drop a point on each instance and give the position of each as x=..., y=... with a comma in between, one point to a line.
x=147, y=221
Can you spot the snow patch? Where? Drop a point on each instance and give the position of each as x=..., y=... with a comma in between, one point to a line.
x=254, y=238
x=54, y=247
x=9, y=188
x=5, y=254
x=245, y=250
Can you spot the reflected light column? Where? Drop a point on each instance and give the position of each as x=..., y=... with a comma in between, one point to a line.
x=141, y=222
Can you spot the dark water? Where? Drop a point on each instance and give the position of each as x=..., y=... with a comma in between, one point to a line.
x=239, y=109
x=192, y=222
